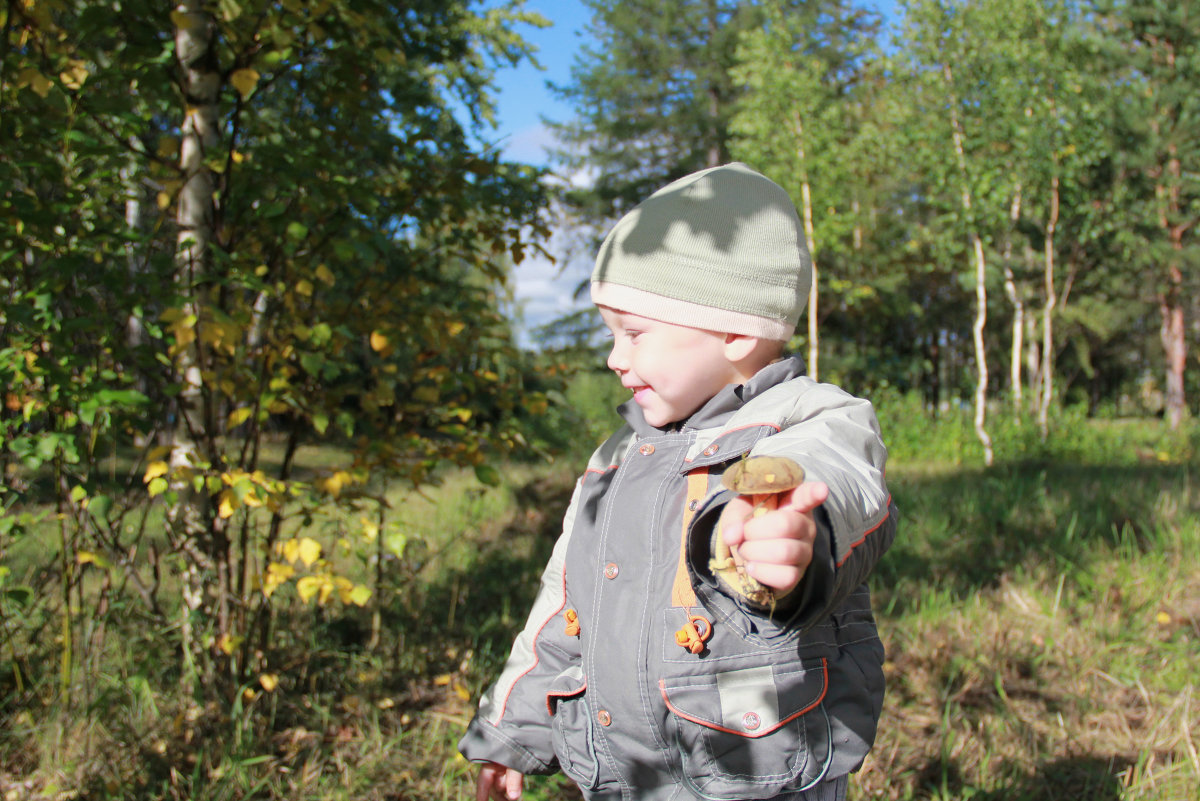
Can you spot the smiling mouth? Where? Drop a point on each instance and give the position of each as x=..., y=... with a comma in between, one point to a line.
x=639, y=393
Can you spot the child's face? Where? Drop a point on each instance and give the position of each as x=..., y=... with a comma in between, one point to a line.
x=672, y=370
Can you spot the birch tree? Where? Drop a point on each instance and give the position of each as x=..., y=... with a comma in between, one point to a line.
x=799, y=71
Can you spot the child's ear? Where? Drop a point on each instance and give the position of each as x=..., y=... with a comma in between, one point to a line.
x=739, y=347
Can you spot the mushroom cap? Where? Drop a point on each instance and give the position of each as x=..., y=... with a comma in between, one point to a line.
x=760, y=475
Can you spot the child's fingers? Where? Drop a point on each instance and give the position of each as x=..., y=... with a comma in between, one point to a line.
x=514, y=782
x=498, y=783
x=781, y=578
x=733, y=519
x=777, y=551
x=807, y=496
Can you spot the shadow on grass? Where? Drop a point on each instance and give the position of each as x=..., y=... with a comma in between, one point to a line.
x=1079, y=778
x=962, y=531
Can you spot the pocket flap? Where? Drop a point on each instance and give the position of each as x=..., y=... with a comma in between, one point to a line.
x=567, y=684
x=750, y=702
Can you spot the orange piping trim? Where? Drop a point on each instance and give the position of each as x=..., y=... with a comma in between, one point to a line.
x=662, y=688
x=866, y=534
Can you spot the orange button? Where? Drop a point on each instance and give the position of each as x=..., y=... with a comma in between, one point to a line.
x=646, y=449
x=611, y=570
x=711, y=449
x=603, y=717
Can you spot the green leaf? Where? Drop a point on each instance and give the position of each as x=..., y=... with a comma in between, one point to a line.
x=99, y=506
x=487, y=475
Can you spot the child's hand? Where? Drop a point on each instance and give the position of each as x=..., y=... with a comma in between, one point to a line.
x=776, y=546
x=498, y=783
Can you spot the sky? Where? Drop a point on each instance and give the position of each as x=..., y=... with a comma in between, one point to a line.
x=544, y=289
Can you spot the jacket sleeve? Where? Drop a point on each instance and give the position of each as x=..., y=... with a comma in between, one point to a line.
x=512, y=724
x=835, y=437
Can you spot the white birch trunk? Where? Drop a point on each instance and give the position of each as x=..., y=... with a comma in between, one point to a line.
x=1047, y=393
x=1018, y=304
x=200, y=134
x=980, y=281
x=809, y=240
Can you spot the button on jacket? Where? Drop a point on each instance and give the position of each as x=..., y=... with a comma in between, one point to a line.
x=639, y=676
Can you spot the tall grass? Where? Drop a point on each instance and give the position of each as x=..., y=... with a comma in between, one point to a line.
x=1042, y=621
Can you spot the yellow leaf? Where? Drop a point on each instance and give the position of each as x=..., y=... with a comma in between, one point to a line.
x=237, y=156
x=244, y=80
x=163, y=200
x=378, y=341
x=289, y=550
x=307, y=587
x=34, y=80
x=154, y=470
x=277, y=573
x=252, y=500
x=160, y=452
x=228, y=643
x=226, y=505
x=74, y=76
x=1163, y=618
x=370, y=530
x=239, y=416
x=268, y=681
x=333, y=485
x=84, y=557
x=455, y=328
x=325, y=274
x=442, y=680
x=304, y=287
x=309, y=551
x=461, y=691
x=359, y=595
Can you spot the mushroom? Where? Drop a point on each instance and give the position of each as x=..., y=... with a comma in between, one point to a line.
x=761, y=479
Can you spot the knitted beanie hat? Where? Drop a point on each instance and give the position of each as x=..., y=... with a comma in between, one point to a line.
x=721, y=249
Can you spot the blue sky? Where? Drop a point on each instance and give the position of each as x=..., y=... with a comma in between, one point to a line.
x=523, y=97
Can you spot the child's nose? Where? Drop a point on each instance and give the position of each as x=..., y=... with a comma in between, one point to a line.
x=616, y=359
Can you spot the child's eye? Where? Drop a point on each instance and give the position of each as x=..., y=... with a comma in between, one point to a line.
x=633, y=334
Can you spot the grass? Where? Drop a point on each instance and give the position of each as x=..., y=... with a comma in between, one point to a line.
x=1042, y=623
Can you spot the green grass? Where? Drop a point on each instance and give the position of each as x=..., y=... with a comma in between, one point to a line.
x=1042, y=621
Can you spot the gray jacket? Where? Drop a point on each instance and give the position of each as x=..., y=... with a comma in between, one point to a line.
x=776, y=701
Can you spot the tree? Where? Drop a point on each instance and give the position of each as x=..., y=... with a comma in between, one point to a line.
x=321, y=248
x=1152, y=48
x=652, y=98
x=800, y=70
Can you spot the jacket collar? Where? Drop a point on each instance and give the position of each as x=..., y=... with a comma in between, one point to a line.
x=719, y=408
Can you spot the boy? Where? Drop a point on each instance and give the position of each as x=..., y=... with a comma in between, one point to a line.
x=642, y=673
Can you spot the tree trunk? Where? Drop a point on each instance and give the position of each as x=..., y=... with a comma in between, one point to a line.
x=1047, y=387
x=807, y=211
x=980, y=279
x=1018, y=304
x=195, y=48
x=1171, y=300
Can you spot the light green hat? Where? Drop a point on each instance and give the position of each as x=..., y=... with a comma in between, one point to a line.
x=721, y=249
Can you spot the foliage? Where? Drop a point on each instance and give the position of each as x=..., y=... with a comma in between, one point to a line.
x=339, y=278
x=1059, y=104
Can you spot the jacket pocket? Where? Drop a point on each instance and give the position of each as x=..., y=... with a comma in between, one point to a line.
x=571, y=727
x=751, y=733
